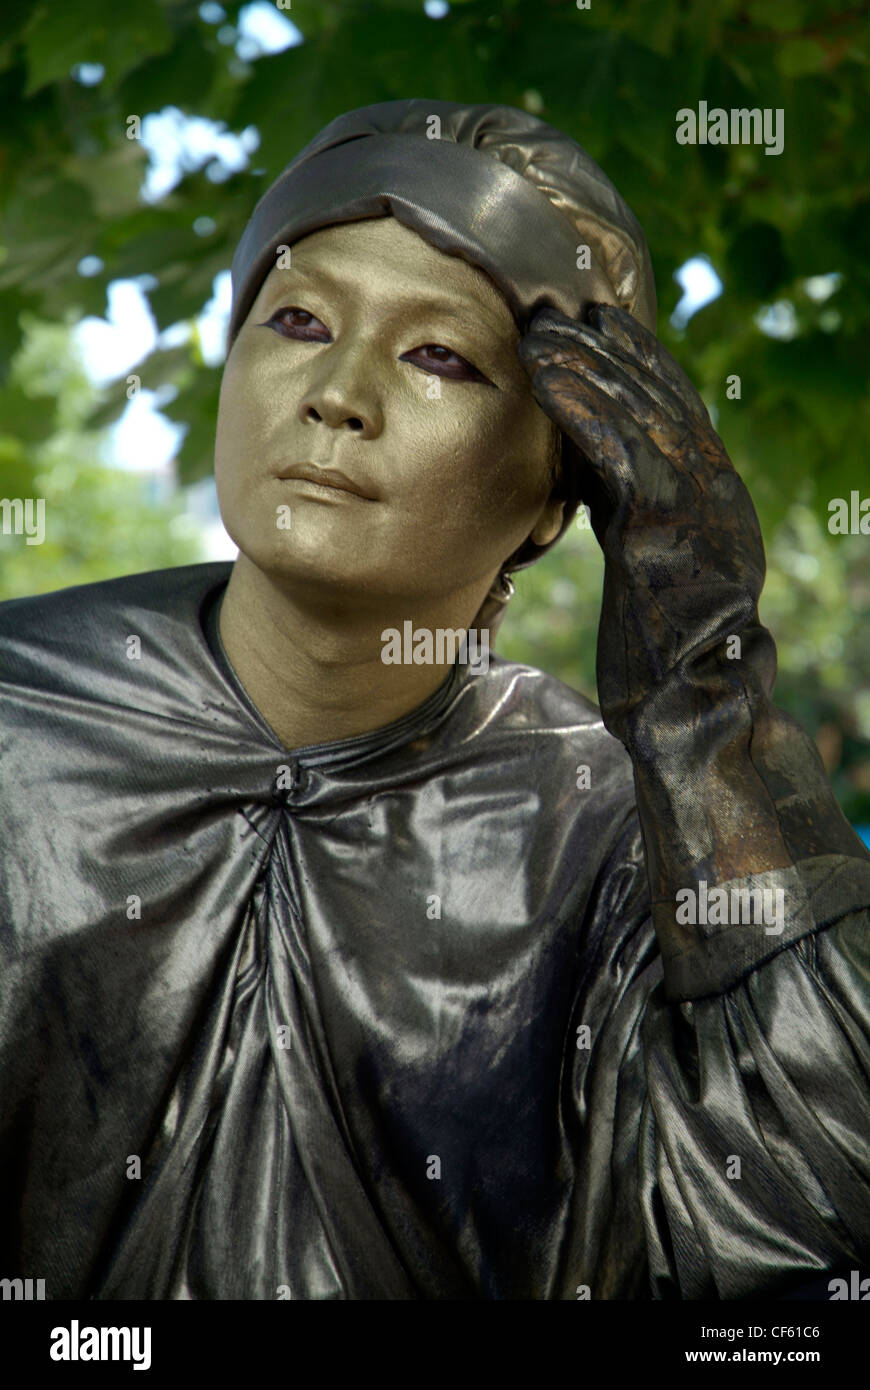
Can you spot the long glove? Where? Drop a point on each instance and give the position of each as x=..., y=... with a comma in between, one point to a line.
x=730, y=790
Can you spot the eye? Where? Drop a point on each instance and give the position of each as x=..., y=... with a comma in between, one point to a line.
x=443, y=361
x=298, y=323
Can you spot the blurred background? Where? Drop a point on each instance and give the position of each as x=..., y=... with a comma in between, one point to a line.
x=135, y=141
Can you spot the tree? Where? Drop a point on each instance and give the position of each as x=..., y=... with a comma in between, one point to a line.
x=95, y=517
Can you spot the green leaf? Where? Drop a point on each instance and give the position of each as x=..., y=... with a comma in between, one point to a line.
x=799, y=57
x=60, y=36
x=777, y=14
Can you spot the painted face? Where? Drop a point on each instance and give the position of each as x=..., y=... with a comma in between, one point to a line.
x=393, y=367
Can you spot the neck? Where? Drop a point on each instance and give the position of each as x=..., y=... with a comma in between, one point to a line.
x=312, y=664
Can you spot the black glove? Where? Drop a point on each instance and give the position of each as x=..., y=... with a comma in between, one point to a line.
x=730, y=790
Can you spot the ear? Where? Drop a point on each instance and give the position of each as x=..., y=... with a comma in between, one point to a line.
x=549, y=523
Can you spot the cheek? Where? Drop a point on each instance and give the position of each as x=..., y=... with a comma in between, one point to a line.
x=240, y=411
x=511, y=442
x=467, y=425
x=229, y=425
x=246, y=417
x=236, y=446
x=480, y=468
x=448, y=452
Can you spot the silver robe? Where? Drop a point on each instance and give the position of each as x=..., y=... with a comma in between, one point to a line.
x=382, y=1018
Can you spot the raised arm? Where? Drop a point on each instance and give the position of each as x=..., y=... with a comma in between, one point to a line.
x=756, y=1060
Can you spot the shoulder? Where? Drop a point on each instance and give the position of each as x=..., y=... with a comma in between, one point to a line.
x=155, y=590
x=78, y=621
x=521, y=714
x=526, y=693
x=525, y=699
x=533, y=755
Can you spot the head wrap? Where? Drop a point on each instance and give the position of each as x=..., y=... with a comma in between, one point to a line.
x=497, y=186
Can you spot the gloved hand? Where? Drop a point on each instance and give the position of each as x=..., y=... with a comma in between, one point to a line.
x=685, y=560
x=729, y=789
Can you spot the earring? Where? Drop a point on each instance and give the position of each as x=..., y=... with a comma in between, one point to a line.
x=494, y=606
x=503, y=589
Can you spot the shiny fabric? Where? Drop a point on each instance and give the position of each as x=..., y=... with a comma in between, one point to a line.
x=334, y=1000
x=495, y=185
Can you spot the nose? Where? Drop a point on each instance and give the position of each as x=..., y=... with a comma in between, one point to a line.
x=343, y=393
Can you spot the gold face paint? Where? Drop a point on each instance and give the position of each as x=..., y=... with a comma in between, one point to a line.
x=394, y=364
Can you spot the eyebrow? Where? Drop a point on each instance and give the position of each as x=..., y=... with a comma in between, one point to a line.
x=453, y=309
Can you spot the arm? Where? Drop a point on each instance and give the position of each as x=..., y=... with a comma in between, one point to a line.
x=722, y=1145
x=759, y=1048
x=731, y=792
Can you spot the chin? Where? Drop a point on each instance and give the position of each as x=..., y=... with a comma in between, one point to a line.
x=304, y=567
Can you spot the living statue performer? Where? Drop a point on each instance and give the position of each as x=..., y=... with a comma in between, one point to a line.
x=342, y=967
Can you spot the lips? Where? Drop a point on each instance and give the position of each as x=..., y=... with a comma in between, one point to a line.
x=326, y=477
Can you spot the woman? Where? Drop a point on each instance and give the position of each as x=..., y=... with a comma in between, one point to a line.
x=332, y=975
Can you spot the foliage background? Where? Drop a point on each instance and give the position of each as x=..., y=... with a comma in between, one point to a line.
x=613, y=76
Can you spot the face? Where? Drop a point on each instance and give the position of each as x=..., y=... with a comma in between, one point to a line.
x=394, y=365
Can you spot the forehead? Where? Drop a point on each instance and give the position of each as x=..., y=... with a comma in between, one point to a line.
x=387, y=259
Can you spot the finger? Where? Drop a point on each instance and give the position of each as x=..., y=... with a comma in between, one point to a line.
x=596, y=364
x=633, y=461
x=558, y=346
x=616, y=448
x=668, y=431
x=635, y=345
x=637, y=342
x=552, y=323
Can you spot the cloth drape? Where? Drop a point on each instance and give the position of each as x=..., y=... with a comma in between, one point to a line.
x=385, y=1017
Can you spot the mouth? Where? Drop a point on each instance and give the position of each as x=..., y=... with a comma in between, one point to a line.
x=331, y=478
